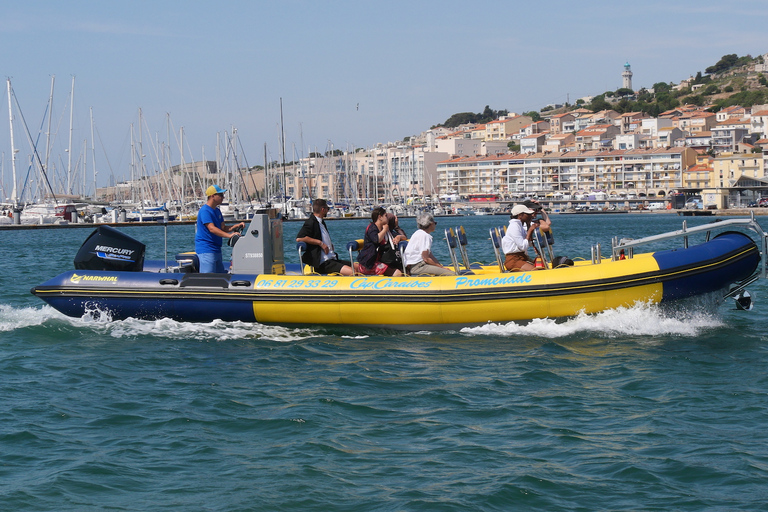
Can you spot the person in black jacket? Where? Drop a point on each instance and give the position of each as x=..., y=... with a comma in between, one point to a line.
x=320, y=253
x=377, y=240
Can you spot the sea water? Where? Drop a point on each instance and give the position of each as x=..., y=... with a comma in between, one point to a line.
x=641, y=408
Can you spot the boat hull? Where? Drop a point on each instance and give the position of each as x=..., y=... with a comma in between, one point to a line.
x=442, y=302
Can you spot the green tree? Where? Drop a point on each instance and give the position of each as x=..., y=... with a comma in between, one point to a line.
x=533, y=115
x=599, y=103
x=725, y=63
x=697, y=100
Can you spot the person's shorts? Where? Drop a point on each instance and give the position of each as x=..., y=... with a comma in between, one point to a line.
x=515, y=260
x=332, y=266
x=211, y=262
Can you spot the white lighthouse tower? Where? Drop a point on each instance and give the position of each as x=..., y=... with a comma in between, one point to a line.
x=626, y=78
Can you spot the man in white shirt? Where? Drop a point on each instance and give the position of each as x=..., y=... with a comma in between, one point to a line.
x=517, y=239
x=418, y=257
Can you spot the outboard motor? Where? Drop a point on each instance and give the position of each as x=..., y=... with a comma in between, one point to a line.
x=109, y=249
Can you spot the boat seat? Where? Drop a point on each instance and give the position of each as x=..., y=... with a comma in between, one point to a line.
x=354, y=245
x=188, y=261
x=453, y=244
x=496, y=237
x=301, y=247
x=461, y=236
x=450, y=238
x=401, y=249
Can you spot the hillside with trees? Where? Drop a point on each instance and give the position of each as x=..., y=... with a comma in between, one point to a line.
x=730, y=81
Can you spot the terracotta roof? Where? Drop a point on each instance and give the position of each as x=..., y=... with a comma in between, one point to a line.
x=699, y=168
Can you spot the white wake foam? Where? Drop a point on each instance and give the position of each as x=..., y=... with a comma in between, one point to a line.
x=100, y=321
x=641, y=319
x=218, y=330
x=18, y=318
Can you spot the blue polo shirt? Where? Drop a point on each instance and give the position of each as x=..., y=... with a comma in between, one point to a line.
x=205, y=241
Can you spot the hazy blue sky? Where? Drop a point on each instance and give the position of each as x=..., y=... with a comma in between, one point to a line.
x=350, y=74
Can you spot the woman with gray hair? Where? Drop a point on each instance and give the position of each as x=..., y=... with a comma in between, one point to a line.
x=419, y=260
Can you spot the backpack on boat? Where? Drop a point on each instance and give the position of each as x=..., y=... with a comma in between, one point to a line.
x=389, y=254
x=562, y=262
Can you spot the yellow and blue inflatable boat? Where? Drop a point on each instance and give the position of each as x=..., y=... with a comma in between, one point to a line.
x=111, y=276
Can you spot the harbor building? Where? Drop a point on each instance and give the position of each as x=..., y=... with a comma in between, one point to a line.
x=622, y=173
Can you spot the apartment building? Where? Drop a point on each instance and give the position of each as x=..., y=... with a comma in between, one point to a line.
x=727, y=135
x=385, y=173
x=655, y=171
x=729, y=168
x=759, y=123
x=732, y=112
x=630, y=121
x=504, y=127
x=695, y=122
x=556, y=122
x=596, y=137
x=698, y=176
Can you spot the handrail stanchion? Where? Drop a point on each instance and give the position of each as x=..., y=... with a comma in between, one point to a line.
x=450, y=237
x=354, y=245
x=301, y=247
x=496, y=242
x=462, y=237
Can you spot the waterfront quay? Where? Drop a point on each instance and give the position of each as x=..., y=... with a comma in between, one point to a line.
x=732, y=212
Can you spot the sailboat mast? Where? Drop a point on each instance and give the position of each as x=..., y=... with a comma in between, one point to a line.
x=14, y=198
x=93, y=156
x=282, y=131
x=69, y=150
x=266, y=173
x=48, y=132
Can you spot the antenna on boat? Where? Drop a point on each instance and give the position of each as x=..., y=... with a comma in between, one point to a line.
x=282, y=131
x=164, y=222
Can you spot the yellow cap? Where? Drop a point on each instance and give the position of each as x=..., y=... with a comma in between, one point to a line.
x=214, y=189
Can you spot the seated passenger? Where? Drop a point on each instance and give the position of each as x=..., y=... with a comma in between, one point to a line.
x=544, y=222
x=320, y=254
x=376, y=240
x=518, y=238
x=419, y=260
x=395, y=235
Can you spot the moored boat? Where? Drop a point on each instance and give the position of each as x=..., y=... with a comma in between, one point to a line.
x=111, y=276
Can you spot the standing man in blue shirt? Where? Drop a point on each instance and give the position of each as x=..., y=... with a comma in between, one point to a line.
x=211, y=230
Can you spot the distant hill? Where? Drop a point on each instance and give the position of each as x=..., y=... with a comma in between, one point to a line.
x=731, y=81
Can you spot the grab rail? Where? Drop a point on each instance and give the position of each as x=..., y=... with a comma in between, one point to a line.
x=627, y=243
